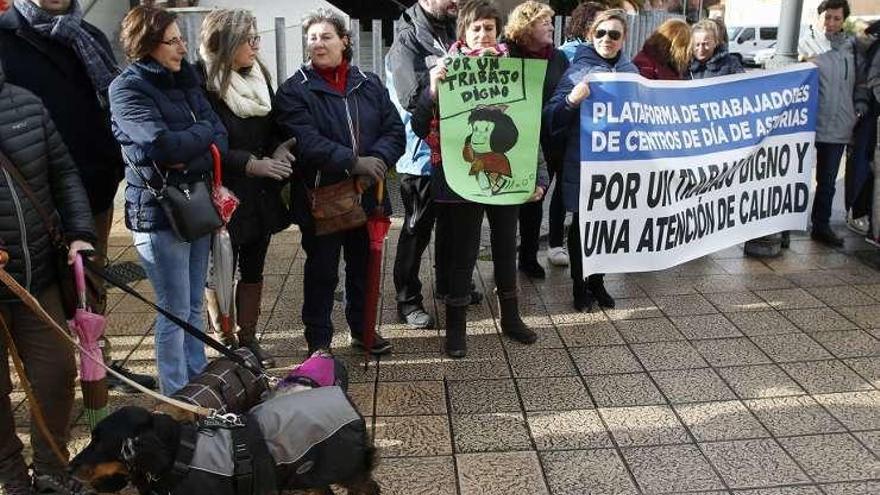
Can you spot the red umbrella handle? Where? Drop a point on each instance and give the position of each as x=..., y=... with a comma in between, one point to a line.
x=215, y=155
x=79, y=277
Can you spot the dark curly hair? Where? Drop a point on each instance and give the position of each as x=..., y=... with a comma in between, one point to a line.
x=329, y=17
x=578, y=27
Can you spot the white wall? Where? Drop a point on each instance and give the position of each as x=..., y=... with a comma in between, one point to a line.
x=763, y=12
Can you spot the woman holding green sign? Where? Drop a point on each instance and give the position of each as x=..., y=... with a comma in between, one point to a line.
x=477, y=31
x=562, y=117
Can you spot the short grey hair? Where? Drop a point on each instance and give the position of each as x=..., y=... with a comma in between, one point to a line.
x=708, y=26
x=330, y=17
x=223, y=31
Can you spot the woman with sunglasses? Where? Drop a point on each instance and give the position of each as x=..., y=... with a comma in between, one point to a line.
x=238, y=87
x=166, y=127
x=477, y=31
x=561, y=118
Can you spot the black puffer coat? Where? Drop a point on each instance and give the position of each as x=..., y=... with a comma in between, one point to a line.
x=29, y=139
x=721, y=63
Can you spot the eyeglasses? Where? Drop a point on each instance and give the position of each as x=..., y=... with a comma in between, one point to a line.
x=176, y=41
x=612, y=33
x=254, y=40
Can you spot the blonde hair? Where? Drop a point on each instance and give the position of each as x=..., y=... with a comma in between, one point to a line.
x=223, y=31
x=521, y=20
x=672, y=40
x=618, y=15
x=708, y=26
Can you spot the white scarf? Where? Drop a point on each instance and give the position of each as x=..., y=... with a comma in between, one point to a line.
x=248, y=95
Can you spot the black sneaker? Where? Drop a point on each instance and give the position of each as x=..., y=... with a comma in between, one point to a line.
x=417, y=319
x=826, y=236
x=59, y=484
x=532, y=269
x=380, y=344
x=117, y=384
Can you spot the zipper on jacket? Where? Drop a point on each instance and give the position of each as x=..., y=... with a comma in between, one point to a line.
x=25, y=249
x=354, y=144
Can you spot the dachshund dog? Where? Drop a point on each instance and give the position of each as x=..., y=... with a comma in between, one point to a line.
x=133, y=445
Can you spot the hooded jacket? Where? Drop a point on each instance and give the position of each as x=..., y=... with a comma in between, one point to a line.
x=721, y=63
x=29, y=139
x=563, y=123
x=161, y=118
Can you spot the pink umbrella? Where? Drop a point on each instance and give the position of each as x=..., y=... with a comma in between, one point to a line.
x=88, y=327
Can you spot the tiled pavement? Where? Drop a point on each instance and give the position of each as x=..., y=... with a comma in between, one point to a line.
x=723, y=375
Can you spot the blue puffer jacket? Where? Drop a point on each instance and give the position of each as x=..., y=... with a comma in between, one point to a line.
x=563, y=123
x=721, y=63
x=326, y=123
x=161, y=119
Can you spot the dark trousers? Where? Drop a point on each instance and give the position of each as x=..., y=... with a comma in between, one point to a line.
x=251, y=259
x=464, y=221
x=556, y=236
x=530, y=217
x=321, y=274
x=828, y=157
x=49, y=364
x=415, y=235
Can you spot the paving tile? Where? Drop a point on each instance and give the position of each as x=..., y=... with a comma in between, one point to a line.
x=637, y=307
x=536, y=363
x=868, y=368
x=490, y=432
x=604, y=360
x=789, y=298
x=782, y=490
x=856, y=410
x=753, y=463
x=633, y=389
x=476, y=368
x=818, y=319
x=765, y=282
x=655, y=287
x=857, y=488
x=410, y=398
x=580, y=335
x=648, y=330
x=870, y=439
x=737, y=302
x=668, y=355
x=844, y=295
x=413, y=436
x=872, y=290
x=791, y=416
x=815, y=278
x=553, y=394
x=863, y=316
x=417, y=475
x=567, y=430
x=500, y=473
x=578, y=472
x=684, y=305
x=410, y=367
x=695, y=385
x=713, y=284
x=762, y=323
x=791, y=347
x=671, y=468
x=823, y=377
x=849, y=344
x=728, y=420
x=644, y=425
x=730, y=352
x=755, y=382
x=483, y=396
x=706, y=327
x=743, y=265
x=829, y=458
x=362, y=396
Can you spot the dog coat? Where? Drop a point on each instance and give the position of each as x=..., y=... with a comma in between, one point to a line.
x=305, y=439
x=226, y=386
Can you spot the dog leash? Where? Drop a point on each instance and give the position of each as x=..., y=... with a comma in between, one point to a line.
x=36, y=410
x=34, y=305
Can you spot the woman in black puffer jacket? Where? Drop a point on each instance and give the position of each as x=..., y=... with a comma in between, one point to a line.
x=710, y=55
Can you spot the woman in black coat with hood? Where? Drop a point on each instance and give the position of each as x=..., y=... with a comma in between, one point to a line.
x=710, y=55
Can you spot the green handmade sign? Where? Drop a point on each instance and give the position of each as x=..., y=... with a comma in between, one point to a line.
x=490, y=121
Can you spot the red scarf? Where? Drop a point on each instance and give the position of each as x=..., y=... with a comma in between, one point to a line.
x=336, y=77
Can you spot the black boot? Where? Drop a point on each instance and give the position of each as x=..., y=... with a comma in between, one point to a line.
x=596, y=286
x=456, y=331
x=511, y=323
x=247, y=305
x=14, y=477
x=583, y=298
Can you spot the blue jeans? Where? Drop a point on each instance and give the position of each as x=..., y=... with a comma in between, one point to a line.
x=828, y=157
x=177, y=271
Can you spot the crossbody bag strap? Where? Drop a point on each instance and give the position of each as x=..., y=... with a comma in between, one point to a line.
x=22, y=183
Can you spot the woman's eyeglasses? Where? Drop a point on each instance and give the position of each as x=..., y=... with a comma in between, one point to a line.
x=254, y=40
x=176, y=41
x=611, y=33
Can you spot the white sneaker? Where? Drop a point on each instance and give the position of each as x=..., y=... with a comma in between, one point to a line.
x=558, y=256
x=858, y=225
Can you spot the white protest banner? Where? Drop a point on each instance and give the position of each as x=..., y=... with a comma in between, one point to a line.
x=675, y=170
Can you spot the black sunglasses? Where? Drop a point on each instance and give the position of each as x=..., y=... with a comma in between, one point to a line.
x=612, y=33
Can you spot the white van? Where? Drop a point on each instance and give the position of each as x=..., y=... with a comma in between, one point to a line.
x=746, y=40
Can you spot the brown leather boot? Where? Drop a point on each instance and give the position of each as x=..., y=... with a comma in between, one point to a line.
x=247, y=304
x=215, y=318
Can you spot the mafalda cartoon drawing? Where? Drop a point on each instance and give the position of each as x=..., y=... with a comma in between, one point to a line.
x=493, y=134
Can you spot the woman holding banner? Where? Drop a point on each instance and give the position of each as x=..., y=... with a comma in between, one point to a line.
x=529, y=31
x=561, y=118
x=477, y=31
